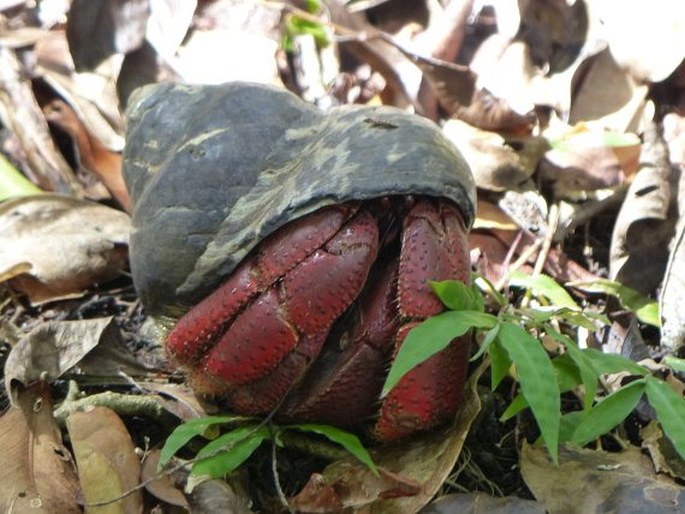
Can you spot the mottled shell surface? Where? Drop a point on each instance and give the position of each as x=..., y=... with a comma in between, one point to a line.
x=213, y=170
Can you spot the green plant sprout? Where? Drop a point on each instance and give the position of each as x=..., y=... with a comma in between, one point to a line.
x=513, y=338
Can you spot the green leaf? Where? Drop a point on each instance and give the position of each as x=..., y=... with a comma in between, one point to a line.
x=490, y=336
x=543, y=285
x=430, y=337
x=485, y=286
x=588, y=373
x=605, y=363
x=345, y=439
x=568, y=374
x=538, y=381
x=517, y=405
x=646, y=309
x=456, y=295
x=13, y=183
x=608, y=413
x=227, y=452
x=569, y=423
x=670, y=411
x=499, y=363
x=675, y=363
x=183, y=433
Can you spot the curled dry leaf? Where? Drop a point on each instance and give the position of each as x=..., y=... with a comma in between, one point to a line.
x=37, y=474
x=97, y=29
x=55, y=347
x=412, y=472
x=108, y=467
x=624, y=480
x=161, y=486
x=664, y=455
x=497, y=163
x=645, y=224
x=71, y=244
x=607, y=93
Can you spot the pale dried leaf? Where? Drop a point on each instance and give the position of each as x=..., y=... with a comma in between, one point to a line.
x=609, y=95
x=672, y=299
x=108, y=467
x=53, y=348
x=621, y=482
x=36, y=471
x=412, y=471
x=645, y=37
x=168, y=24
x=71, y=244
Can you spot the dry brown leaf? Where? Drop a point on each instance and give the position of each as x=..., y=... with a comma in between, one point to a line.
x=412, y=472
x=497, y=163
x=213, y=496
x=71, y=244
x=161, y=486
x=664, y=455
x=93, y=156
x=620, y=482
x=53, y=348
x=645, y=224
x=20, y=115
x=36, y=471
x=108, y=467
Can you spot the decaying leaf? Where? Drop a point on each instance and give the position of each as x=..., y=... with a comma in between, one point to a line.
x=71, y=244
x=212, y=496
x=56, y=347
x=620, y=482
x=108, y=467
x=664, y=455
x=37, y=474
x=411, y=472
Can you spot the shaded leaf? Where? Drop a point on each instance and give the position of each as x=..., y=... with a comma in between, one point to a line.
x=36, y=470
x=159, y=485
x=54, y=348
x=183, y=433
x=228, y=451
x=347, y=440
x=108, y=467
x=670, y=411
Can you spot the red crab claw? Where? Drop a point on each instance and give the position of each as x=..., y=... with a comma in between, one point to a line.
x=272, y=337
x=433, y=248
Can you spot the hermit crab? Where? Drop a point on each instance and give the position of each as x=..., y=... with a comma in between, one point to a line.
x=290, y=250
